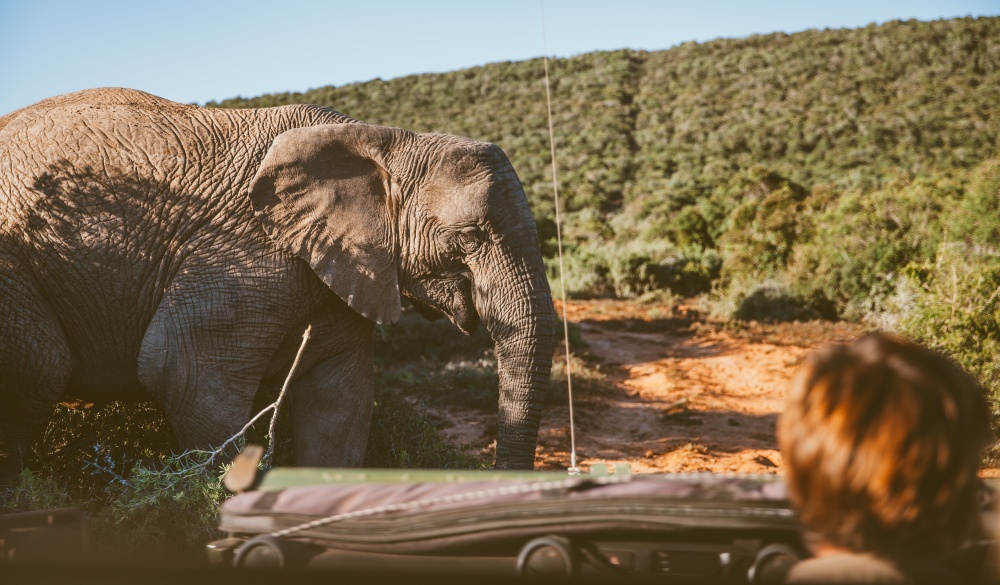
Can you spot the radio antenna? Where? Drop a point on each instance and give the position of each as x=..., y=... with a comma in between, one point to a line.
x=573, y=468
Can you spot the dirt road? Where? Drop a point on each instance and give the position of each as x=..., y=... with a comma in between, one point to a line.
x=687, y=395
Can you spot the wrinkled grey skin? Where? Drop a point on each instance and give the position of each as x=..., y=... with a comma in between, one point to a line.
x=153, y=249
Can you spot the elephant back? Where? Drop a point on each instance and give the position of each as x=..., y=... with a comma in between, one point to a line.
x=101, y=96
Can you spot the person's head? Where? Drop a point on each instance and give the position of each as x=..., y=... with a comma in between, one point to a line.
x=881, y=441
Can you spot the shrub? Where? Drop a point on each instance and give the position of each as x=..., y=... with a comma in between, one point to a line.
x=605, y=270
x=85, y=449
x=765, y=301
x=160, y=511
x=690, y=272
x=115, y=461
x=974, y=219
x=954, y=303
x=771, y=302
x=586, y=273
x=863, y=242
x=33, y=491
x=166, y=509
x=957, y=310
x=690, y=228
x=764, y=224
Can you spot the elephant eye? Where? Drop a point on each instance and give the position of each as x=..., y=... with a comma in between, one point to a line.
x=469, y=238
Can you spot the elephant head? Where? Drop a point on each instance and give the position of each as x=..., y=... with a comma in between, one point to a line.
x=380, y=213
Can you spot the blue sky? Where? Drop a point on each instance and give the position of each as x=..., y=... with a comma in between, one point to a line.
x=195, y=51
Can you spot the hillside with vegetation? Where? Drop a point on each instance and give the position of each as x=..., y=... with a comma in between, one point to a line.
x=842, y=174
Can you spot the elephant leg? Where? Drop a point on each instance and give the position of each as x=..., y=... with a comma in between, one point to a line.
x=331, y=403
x=205, y=352
x=37, y=365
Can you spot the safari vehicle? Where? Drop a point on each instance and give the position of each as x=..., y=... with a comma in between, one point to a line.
x=668, y=527
x=679, y=527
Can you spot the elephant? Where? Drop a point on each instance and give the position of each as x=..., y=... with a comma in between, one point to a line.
x=164, y=251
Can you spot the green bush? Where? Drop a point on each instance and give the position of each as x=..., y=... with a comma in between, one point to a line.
x=158, y=511
x=585, y=274
x=87, y=449
x=974, y=219
x=862, y=242
x=766, y=221
x=164, y=509
x=691, y=229
x=690, y=272
x=34, y=492
x=115, y=462
x=771, y=302
x=767, y=300
x=605, y=270
x=957, y=311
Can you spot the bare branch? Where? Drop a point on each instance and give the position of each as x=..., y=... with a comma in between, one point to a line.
x=274, y=406
x=281, y=396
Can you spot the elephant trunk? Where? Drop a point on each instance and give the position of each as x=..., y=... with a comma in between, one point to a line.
x=519, y=315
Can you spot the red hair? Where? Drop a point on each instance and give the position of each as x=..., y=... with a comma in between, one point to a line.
x=881, y=440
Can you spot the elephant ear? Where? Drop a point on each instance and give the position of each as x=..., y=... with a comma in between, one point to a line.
x=321, y=195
